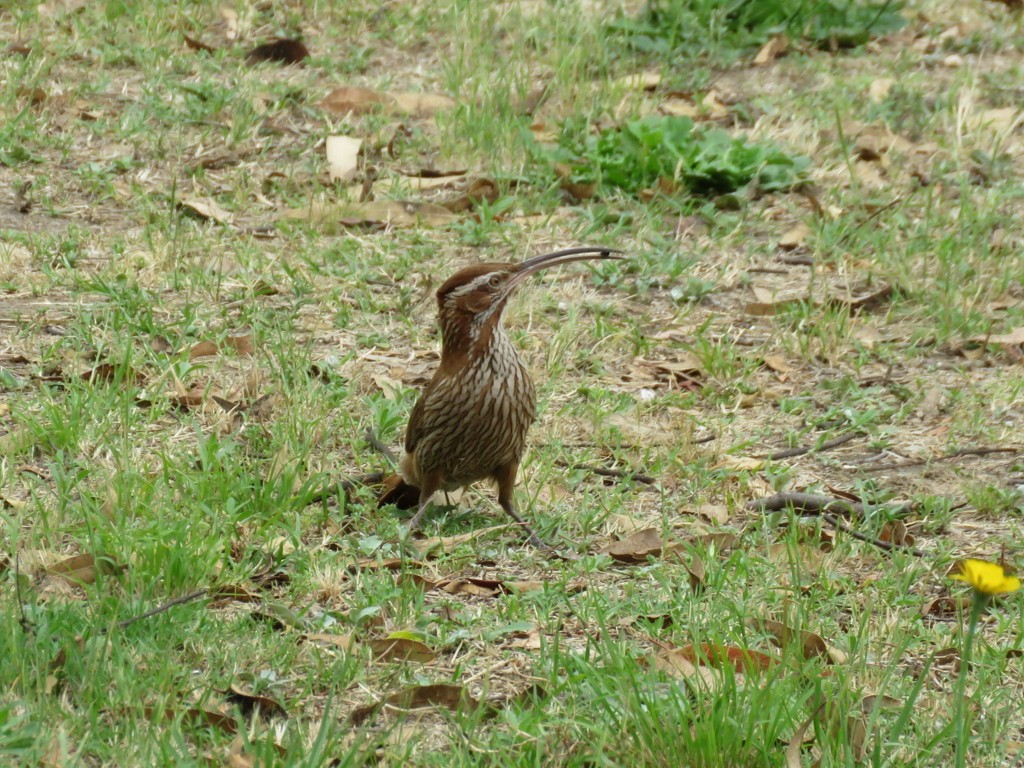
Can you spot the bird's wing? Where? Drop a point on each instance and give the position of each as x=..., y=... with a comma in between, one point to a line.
x=415, y=430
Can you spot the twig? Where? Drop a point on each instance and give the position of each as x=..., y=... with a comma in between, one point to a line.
x=945, y=457
x=888, y=546
x=375, y=442
x=789, y=453
x=808, y=503
x=160, y=609
x=606, y=472
x=827, y=507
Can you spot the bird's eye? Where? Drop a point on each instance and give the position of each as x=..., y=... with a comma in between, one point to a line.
x=495, y=280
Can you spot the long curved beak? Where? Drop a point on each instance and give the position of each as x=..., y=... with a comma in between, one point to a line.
x=536, y=263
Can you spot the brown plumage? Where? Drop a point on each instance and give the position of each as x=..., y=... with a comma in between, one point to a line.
x=471, y=420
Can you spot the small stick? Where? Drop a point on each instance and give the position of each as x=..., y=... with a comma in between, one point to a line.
x=606, y=472
x=808, y=503
x=375, y=442
x=827, y=506
x=789, y=453
x=888, y=546
x=945, y=457
x=160, y=609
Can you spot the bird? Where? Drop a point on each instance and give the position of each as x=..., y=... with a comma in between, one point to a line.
x=471, y=419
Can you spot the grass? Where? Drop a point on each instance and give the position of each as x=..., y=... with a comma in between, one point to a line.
x=655, y=365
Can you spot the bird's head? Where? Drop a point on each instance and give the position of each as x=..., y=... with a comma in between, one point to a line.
x=471, y=302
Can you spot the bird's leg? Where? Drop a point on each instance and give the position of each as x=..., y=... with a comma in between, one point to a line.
x=414, y=523
x=506, y=479
x=429, y=485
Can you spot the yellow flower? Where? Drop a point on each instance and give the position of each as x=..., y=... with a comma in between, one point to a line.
x=986, y=577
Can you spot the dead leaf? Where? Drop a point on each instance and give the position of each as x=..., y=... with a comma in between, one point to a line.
x=355, y=100
x=281, y=50
x=880, y=88
x=217, y=720
x=875, y=141
x=17, y=440
x=806, y=559
x=946, y=608
x=740, y=463
x=895, y=533
x=771, y=50
x=343, y=157
x=675, y=662
x=794, y=237
x=83, y=569
x=447, y=543
x=421, y=104
x=400, y=649
x=1014, y=338
x=796, y=744
x=811, y=645
x=643, y=81
x=863, y=300
x=777, y=363
x=478, y=189
x=453, y=697
x=203, y=349
x=252, y=703
x=373, y=214
x=341, y=642
x=637, y=547
x=715, y=513
x=205, y=208
x=740, y=659
x=679, y=107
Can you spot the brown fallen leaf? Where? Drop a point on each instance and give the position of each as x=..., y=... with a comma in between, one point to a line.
x=373, y=214
x=675, y=662
x=946, y=608
x=252, y=703
x=203, y=349
x=421, y=104
x=637, y=547
x=281, y=50
x=217, y=720
x=794, y=237
x=205, y=208
x=811, y=645
x=864, y=300
x=349, y=98
x=341, y=642
x=426, y=547
x=740, y=659
x=478, y=189
x=355, y=100
x=83, y=569
x=799, y=739
x=777, y=363
x=17, y=440
x=242, y=345
x=400, y=649
x=106, y=373
x=880, y=89
x=453, y=697
x=771, y=50
x=1014, y=338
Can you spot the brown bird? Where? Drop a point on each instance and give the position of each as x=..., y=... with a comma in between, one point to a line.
x=471, y=419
